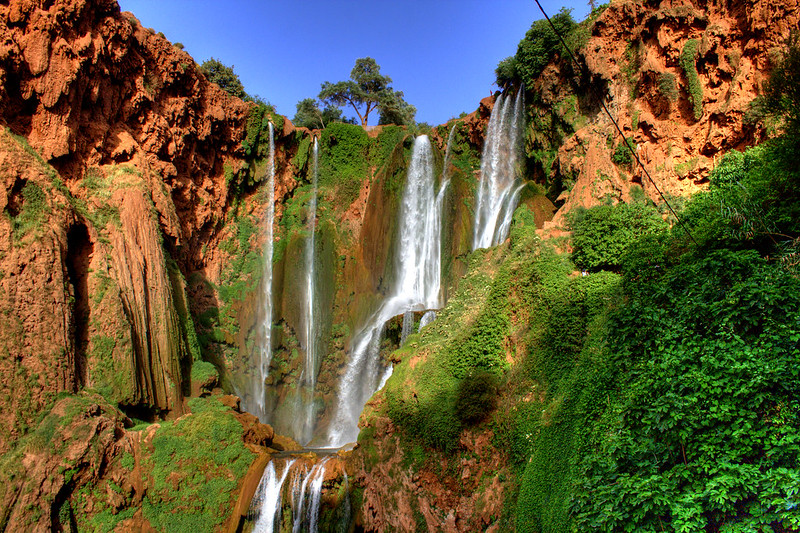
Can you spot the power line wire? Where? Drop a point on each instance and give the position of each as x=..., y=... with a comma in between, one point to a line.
x=616, y=125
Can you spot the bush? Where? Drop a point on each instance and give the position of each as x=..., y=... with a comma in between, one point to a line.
x=687, y=61
x=476, y=397
x=601, y=235
x=667, y=86
x=540, y=45
x=224, y=76
x=622, y=154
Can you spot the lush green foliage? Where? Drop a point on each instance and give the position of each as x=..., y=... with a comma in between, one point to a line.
x=622, y=154
x=476, y=396
x=368, y=90
x=601, y=234
x=687, y=61
x=309, y=115
x=667, y=86
x=506, y=72
x=203, y=454
x=224, y=76
x=540, y=45
x=675, y=408
x=783, y=89
x=343, y=150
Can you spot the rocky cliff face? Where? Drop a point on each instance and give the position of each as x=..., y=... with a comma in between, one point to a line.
x=679, y=127
x=130, y=240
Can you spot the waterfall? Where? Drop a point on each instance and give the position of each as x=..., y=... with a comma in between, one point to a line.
x=415, y=287
x=499, y=188
x=302, y=491
x=267, y=500
x=427, y=318
x=308, y=378
x=254, y=402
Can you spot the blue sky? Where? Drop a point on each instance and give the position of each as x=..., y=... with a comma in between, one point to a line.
x=440, y=53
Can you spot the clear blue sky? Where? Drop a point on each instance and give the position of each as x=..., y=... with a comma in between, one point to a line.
x=440, y=53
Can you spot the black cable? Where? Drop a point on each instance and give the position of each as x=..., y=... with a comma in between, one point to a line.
x=616, y=125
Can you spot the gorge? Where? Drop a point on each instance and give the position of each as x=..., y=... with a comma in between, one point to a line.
x=214, y=320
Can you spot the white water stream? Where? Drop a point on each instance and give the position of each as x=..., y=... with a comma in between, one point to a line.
x=416, y=287
x=499, y=188
x=300, y=486
x=308, y=379
x=254, y=402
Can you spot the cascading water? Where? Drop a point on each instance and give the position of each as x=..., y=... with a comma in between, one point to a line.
x=267, y=500
x=300, y=486
x=416, y=287
x=254, y=402
x=499, y=187
x=308, y=378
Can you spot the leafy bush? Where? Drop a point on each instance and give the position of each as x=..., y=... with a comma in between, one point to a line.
x=224, y=76
x=667, y=86
x=601, y=234
x=476, y=397
x=506, y=72
x=687, y=61
x=540, y=45
x=343, y=150
x=622, y=154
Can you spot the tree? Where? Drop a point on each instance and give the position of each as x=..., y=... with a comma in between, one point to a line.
x=540, y=45
x=309, y=115
x=395, y=110
x=368, y=90
x=224, y=76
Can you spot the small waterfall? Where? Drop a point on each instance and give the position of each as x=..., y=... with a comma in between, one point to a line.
x=308, y=379
x=254, y=402
x=416, y=287
x=408, y=326
x=298, y=485
x=426, y=319
x=499, y=188
x=267, y=501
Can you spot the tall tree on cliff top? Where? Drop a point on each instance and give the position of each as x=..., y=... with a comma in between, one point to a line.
x=368, y=90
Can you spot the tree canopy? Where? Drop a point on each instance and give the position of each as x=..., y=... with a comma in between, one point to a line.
x=309, y=114
x=224, y=76
x=368, y=90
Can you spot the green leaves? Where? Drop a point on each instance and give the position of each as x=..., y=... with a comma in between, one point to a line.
x=367, y=90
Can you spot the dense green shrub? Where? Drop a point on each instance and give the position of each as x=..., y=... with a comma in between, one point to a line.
x=506, y=72
x=476, y=396
x=343, y=151
x=622, y=154
x=687, y=61
x=33, y=212
x=224, y=76
x=540, y=45
x=601, y=234
x=667, y=86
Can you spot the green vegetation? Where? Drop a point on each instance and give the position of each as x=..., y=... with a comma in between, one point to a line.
x=224, y=76
x=631, y=65
x=601, y=235
x=203, y=371
x=622, y=154
x=309, y=115
x=368, y=90
x=687, y=60
x=343, y=150
x=205, y=456
x=538, y=47
x=33, y=211
x=667, y=86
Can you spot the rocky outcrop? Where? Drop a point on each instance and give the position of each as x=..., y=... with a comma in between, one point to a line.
x=633, y=61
